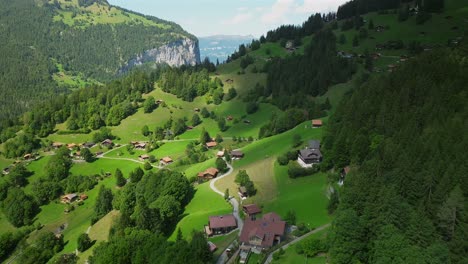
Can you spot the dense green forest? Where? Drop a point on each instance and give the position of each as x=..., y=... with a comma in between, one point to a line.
x=36, y=45
x=406, y=134
x=293, y=80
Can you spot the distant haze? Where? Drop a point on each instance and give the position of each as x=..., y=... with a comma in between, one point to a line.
x=219, y=47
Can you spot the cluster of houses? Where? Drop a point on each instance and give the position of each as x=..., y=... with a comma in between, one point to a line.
x=26, y=157
x=71, y=146
x=257, y=232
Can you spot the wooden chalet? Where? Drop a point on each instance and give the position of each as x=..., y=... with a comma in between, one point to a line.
x=88, y=144
x=263, y=233
x=317, y=123
x=220, y=224
x=211, y=144
x=251, y=210
x=138, y=145
x=57, y=145
x=143, y=157
x=220, y=154
x=166, y=161
x=68, y=198
x=237, y=154
x=106, y=143
x=71, y=146
x=310, y=155
x=208, y=174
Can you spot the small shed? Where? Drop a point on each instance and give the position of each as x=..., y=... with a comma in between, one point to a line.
x=166, y=160
x=211, y=144
x=237, y=154
x=68, y=198
x=317, y=123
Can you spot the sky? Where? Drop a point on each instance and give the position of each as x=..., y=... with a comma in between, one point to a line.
x=230, y=17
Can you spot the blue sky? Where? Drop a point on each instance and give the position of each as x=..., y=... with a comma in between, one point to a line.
x=230, y=17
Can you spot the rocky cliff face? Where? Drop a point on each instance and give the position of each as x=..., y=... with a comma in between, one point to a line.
x=181, y=52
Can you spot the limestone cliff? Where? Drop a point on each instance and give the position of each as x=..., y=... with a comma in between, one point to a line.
x=177, y=53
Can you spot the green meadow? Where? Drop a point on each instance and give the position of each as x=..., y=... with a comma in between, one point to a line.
x=196, y=213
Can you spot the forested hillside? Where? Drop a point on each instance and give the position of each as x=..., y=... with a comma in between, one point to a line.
x=405, y=135
x=49, y=47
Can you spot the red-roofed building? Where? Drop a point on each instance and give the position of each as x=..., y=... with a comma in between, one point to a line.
x=263, y=233
x=251, y=210
x=220, y=224
x=211, y=144
x=317, y=123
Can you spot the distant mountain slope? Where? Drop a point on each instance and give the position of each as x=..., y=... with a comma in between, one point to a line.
x=50, y=46
x=219, y=47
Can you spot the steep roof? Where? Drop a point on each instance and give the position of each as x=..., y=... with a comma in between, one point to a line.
x=211, y=144
x=251, y=209
x=310, y=153
x=314, y=144
x=266, y=228
x=237, y=153
x=166, y=159
x=222, y=221
x=317, y=122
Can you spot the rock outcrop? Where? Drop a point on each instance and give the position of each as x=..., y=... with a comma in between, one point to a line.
x=180, y=52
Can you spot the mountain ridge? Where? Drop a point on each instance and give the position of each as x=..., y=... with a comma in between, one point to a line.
x=54, y=46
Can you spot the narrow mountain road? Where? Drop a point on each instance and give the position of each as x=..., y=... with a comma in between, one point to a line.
x=234, y=202
x=235, y=208
x=133, y=160
x=270, y=257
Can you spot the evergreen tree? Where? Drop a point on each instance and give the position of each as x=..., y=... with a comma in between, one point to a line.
x=120, y=180
x=103, y=202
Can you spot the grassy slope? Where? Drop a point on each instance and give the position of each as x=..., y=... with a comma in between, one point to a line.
x=205, y=203
x=100, y=14
x=438, y=31
x=306, y=196
x=77, y=221
x=99, y=232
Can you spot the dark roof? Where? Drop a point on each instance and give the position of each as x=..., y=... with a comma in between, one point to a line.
x=237, y=153
x=251, y=209
x=310, y=153
x=266, y=228
x=222, y=221
x=88, y=144
x=314, y=144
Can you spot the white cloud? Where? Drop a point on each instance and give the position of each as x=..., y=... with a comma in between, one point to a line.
x=279, y=11
x=313, y=6
x=239, y=18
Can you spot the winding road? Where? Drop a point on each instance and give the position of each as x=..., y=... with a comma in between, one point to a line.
x=233, y=201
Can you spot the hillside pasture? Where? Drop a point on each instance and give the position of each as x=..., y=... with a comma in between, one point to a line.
x=204, y=204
